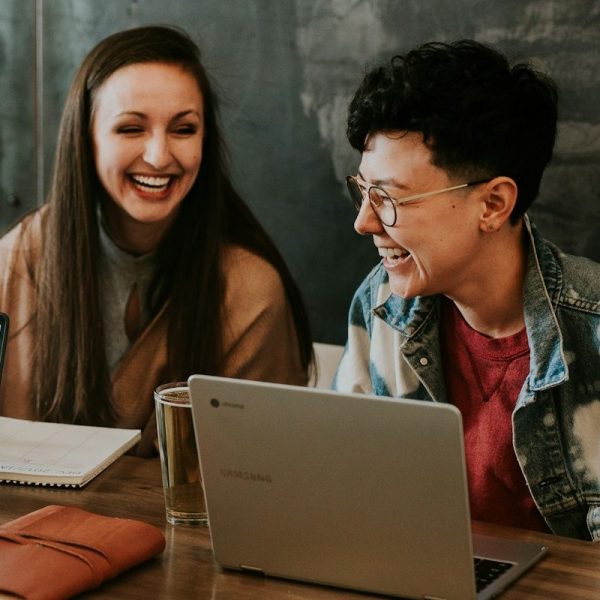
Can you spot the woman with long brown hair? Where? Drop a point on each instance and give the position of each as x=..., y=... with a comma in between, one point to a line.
x=145, y=265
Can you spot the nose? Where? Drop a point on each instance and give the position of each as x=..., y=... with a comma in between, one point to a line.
x=367, y=222
x=157, y=152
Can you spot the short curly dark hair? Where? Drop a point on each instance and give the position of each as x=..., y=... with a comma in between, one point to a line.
x=479, y=116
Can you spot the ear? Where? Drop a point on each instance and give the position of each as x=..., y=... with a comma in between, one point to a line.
x=498, y=200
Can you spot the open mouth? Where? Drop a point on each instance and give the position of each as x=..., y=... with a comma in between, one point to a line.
x=393, y=256
x=152, y=185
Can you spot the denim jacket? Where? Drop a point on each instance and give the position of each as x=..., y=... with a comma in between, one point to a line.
x=393, y=349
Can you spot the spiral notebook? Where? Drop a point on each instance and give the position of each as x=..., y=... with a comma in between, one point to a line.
x=57, y=454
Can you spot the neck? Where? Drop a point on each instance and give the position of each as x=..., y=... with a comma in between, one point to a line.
x=492, y=304
x=132, y=236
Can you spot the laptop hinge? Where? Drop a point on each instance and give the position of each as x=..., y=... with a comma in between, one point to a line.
x=251, y=569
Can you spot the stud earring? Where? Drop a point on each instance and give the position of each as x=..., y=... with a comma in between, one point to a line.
x=491, y=227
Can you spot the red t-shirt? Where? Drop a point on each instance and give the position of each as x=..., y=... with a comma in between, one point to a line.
x=483, y=379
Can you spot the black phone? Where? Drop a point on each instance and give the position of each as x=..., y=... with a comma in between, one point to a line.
x=3, y=338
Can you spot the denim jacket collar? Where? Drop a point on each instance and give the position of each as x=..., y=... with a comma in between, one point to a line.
x=543, y=282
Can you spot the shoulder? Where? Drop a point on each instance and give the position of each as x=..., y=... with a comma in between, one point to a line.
x=581, y=274
x=20, y=251
x=573, y=281
x=250, y=276
x=27, y=230
x=22, y=244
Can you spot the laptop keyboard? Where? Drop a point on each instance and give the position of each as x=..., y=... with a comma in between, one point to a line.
x=487, y=571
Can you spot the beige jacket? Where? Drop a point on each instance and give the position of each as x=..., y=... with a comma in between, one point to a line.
x=259, y=339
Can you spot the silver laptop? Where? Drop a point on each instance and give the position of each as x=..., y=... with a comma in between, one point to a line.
x=356, y=491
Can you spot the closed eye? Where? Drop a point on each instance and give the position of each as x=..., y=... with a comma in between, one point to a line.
x=129, y=129
x=186, y=129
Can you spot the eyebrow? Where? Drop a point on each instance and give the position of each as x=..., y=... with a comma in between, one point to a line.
x=141, y=115
x=387, y=182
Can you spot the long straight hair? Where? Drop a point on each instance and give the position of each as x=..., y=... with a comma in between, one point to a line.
x=71, y=376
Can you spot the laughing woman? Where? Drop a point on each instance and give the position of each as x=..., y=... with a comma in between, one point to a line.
x=145, y=265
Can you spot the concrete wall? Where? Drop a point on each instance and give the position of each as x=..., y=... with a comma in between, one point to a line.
x=286, y=70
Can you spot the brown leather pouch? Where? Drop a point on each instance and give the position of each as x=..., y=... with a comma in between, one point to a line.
x=60, y=551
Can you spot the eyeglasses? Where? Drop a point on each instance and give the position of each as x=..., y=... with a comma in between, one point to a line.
x=383, y=204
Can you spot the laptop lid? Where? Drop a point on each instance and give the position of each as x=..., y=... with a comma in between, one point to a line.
x=349, y=490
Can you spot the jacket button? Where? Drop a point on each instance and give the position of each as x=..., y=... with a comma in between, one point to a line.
x=423, y=361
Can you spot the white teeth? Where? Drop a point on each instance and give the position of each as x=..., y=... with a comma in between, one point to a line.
x=392, y=252
x=154, y=182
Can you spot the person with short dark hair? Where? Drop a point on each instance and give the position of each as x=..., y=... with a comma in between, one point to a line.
x=469, y=304
x=145, y=265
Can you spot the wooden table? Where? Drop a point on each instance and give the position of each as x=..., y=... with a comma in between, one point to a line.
x=132, y=488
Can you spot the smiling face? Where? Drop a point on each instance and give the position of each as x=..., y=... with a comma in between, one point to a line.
x=433, y=247
x=147, y=131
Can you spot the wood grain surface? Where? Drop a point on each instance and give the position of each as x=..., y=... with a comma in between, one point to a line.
x=131, y=488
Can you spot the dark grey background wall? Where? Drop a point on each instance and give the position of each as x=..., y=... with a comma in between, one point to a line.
x=286, y=70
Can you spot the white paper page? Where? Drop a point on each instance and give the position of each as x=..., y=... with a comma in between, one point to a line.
x=56, y=448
